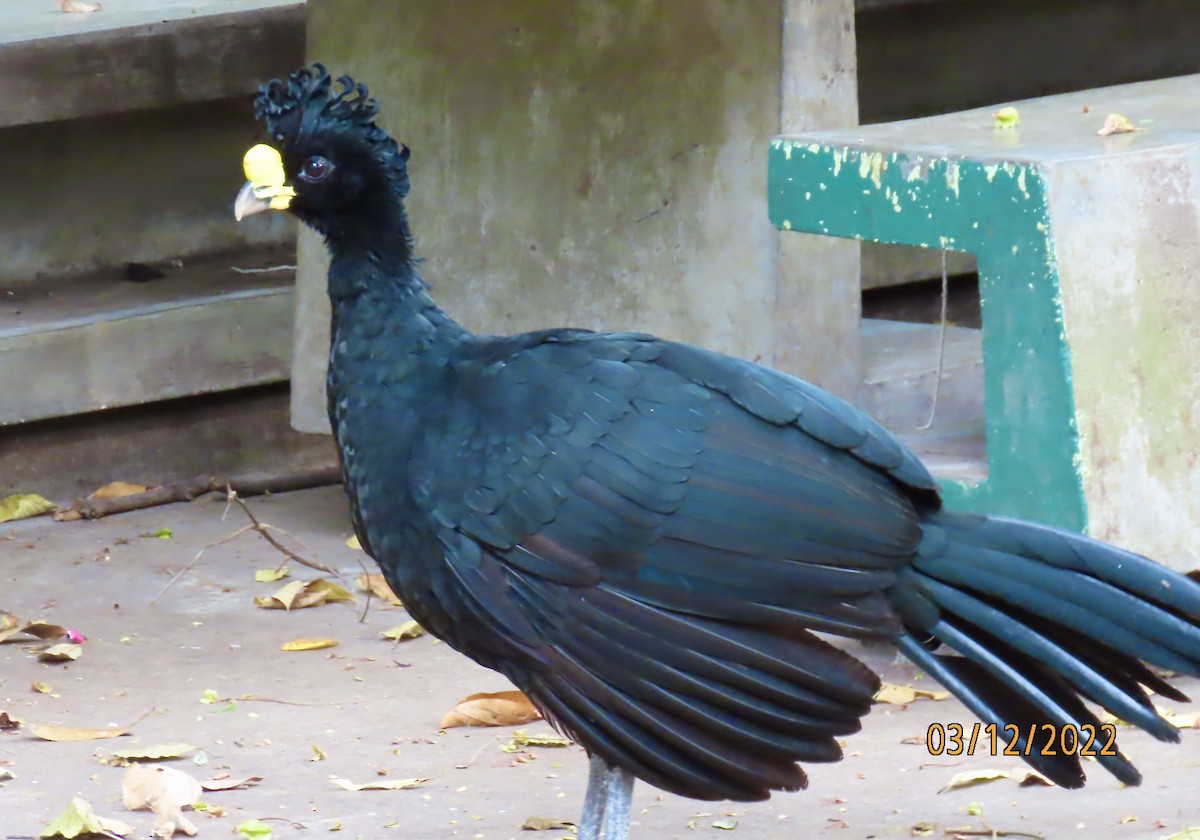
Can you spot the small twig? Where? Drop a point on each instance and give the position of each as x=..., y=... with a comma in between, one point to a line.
x=186, y=491
x=266, y=270
x=254, y=698
x=937, y=382
x=196, y=559
x=264, y=531
x=987, y=831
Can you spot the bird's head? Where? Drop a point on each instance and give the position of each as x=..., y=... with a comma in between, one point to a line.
x=328, y=163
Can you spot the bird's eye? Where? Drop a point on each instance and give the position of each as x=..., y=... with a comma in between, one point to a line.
x=316, y=168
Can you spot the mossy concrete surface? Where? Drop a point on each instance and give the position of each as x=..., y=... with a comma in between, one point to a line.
x=597, y=164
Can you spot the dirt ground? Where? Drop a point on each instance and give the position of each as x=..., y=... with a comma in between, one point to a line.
x=373, y=707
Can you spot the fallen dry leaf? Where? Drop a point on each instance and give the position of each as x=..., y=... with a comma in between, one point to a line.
x=502, y=708
x=23, y=506
x=40, y=687
x=375, y=584
x=7, y=722
x=902, y=695
x=1021, y=775
x=116, y=489
x=300, y=594
x=65, y=652
x=1192, y=833
x=6, y=775
x=44, y=631
x=165, y=791
x=78, y=6
x=390, y=784
x=354, y=543
x=10, y=626
x=408, y=630
x=70, y=733
x=80, y=820
x=272, y=575
x=230, y=784
x=923, y=829
x=1116, y=124
x=522, y=739
x=308, y=644
x=726, y=824
x=158, y=752
x=547, y=824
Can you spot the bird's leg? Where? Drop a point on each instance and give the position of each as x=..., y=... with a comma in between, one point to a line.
x=619, y=798
x=595, y=801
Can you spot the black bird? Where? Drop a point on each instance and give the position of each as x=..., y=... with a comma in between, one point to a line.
x=646, y=537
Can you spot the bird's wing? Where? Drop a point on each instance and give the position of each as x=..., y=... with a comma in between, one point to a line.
x=643, y=536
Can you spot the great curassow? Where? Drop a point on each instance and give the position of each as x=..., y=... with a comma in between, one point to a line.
x=645, y=536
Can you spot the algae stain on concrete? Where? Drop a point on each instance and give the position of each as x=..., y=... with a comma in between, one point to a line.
x=595, y=163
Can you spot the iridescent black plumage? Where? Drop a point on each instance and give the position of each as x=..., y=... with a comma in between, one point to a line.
x=645, y=536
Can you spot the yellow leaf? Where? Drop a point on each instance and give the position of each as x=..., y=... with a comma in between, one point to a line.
x=71, y=733
x=503, y=708
x=1116, y=124
x=308, y=644
x=1192, y=833
x=155, y=753
x=727, y=824
x=523, y=739
x=165, y=791
x=271, y=575
x=375, y=584
x=318, y=754
x=40, y=687
x=969, y=778
x=1007, y=117
x=354, y=543
x=23, y=506
x=902, y=695
x=10, y=625
x=390, y=784
x=79, y=819
x=408, y=630
x=300, y=594
x=116, y=489
x=61, y=653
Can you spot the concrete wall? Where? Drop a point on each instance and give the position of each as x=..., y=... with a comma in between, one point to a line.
x=1128, y=283
x=103, y=191
x=596, y=163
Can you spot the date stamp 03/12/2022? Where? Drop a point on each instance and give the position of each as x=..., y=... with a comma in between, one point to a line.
x=955, y=739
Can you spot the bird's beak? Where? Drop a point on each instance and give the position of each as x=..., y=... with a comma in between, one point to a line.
x=264, y=188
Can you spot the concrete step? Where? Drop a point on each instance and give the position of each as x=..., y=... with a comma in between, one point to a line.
x=900, y=362
x=95, y=341
x=138, y=54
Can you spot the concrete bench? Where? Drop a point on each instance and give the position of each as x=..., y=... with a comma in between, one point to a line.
x=1087, y=248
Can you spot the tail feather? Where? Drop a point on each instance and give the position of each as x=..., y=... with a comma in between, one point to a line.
x=1041, y=620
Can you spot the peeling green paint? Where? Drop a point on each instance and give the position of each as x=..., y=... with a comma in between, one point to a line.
x=999, y=212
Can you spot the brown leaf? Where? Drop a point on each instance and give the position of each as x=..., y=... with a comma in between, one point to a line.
x=547, y=824
x=390, y=784
x=65, y=652
x=165, y=791
x=37, y=629
x=902, y=695
x=7, y=722
x=78, y=6
x=503, y=708
x=116, y=489
x=374, y=583
x=158, y=752
x=230, y=784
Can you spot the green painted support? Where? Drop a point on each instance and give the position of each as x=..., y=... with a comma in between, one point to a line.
x=998, y=211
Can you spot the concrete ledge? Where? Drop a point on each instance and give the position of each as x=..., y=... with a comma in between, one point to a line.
x=99, y=341
x=137, y=54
